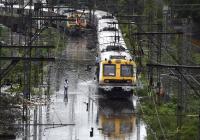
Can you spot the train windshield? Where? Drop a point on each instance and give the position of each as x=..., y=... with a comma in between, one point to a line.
x=115, y=48
x=126, y=70
x=109, y=127
x=109, y=70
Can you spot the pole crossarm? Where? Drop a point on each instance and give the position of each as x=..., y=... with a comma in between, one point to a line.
x=121, y=22
x=40, y=5
x=130, y=16
x=39, y=124
x=132, y=23
x=28, y=58
x=60, y=18
x=181, y=5
x=188, y=7
x=23, y=47
x=41, y=18
x=5, y=71
x=9, y=3
x=158, y=33
x=172, y=66
x=56, y=7
x=52, y=16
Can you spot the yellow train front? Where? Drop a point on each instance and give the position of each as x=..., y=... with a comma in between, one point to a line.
x=76, y=23
x=116, y=73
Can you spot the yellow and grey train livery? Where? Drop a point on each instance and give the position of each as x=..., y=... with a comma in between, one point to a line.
x=116, y=68
x=116, y=72
x=76, y=21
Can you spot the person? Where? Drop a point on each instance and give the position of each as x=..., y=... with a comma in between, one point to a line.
x=66, y=84
x=97, y=59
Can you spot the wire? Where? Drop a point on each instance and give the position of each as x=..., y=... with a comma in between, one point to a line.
x=152, y=131
x=188, y=82
x=156, y=110
x=174, y=58
x=38, y=124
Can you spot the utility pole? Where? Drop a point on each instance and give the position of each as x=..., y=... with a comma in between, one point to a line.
x=91, y=11
x=27, y=56
x=138, y=119
x=199, y=125
x=180, y=69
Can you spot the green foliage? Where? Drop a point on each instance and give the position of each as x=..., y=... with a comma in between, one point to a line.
x=167, y=115
x=143, y=92
x=4, y=32
x=167, y=110
x=48, y=37
x=0, y=31
x=196, y=57
x=187, y=12
x=15, y=89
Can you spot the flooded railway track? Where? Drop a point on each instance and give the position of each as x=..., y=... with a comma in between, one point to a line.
x=84, y=114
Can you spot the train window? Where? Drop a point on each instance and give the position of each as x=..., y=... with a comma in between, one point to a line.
x=109, y=70
x=126, y=70
x=117, y=57
x=125, y=126
x=108, y=127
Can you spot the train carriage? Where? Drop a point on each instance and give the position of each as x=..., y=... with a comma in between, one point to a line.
x=76, y=21
x=116, y=72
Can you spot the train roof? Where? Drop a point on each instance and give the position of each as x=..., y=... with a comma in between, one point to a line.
x=103, y=43
x=113, y=47
x=65, y=11
x=113, y=39
x=26, y=8
x=115, y=55
x=103, y=15
x=109, y=21
x=111, y=36
x=105, y=23
x=111, y=42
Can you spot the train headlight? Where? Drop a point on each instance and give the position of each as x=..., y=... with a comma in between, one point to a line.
x=118, y=61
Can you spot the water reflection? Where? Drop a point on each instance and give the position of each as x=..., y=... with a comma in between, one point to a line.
x=116, y=118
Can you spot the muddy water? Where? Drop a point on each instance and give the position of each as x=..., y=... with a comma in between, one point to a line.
x=83, y=114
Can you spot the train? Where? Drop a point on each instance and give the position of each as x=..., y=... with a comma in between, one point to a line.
x=76, y=21
x=116, y=68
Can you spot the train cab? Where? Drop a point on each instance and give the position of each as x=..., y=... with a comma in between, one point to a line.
x=117, y=72
x=116, y=69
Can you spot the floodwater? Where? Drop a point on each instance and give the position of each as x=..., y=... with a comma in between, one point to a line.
x=82, y=114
